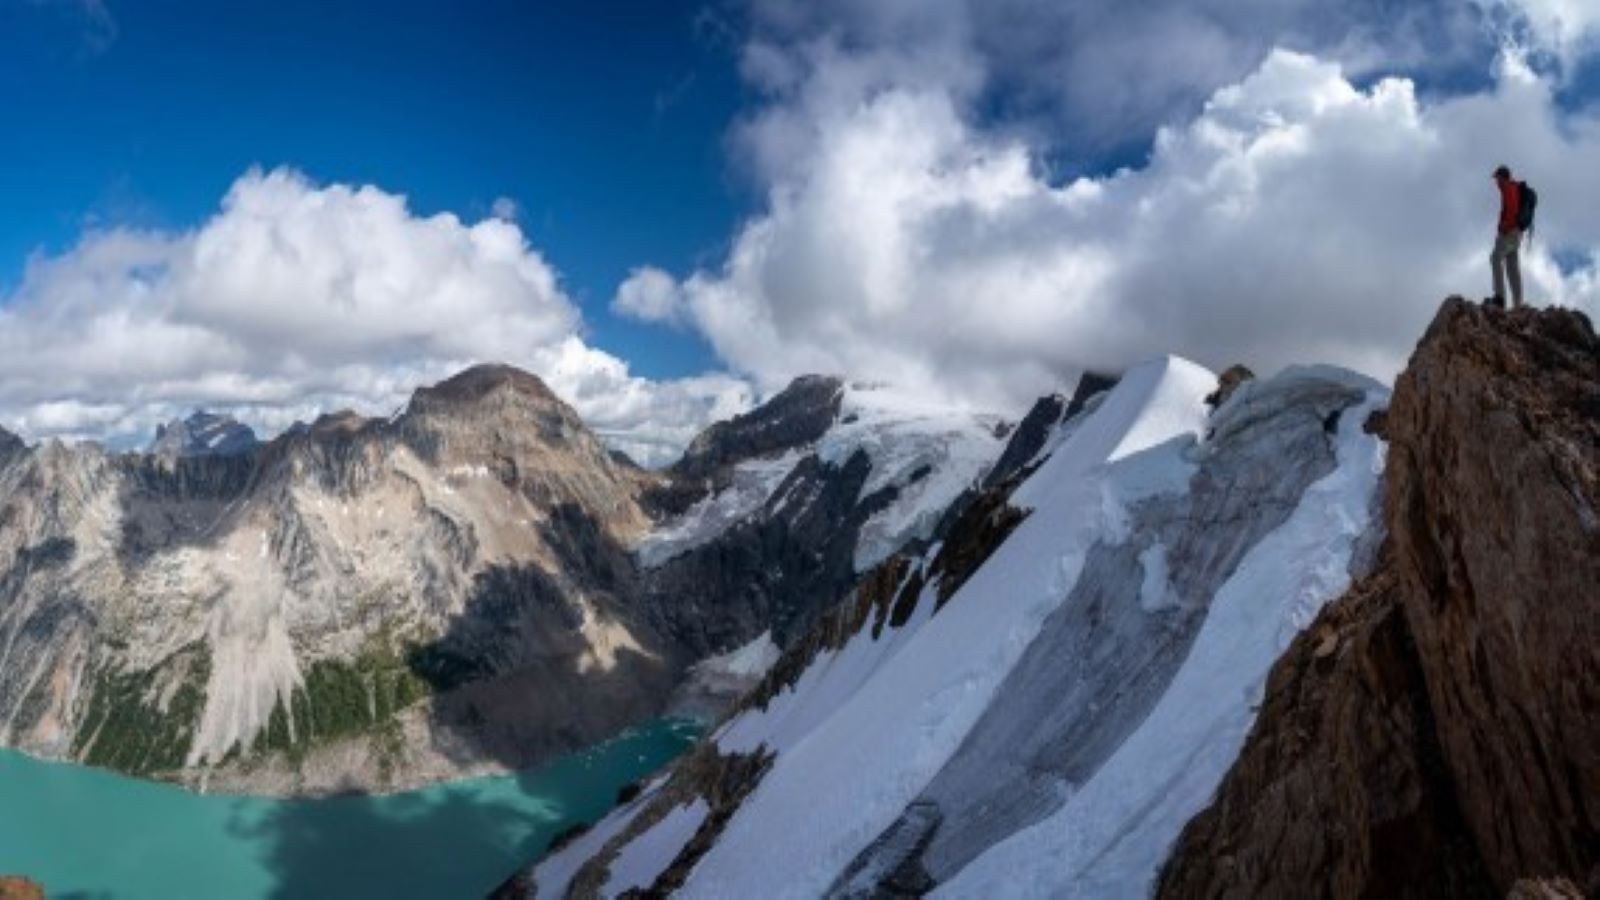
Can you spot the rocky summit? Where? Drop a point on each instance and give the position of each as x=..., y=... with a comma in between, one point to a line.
x=203, y=434
x=1434, y=733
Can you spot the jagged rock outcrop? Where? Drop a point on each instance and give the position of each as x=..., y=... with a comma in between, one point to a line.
x=800, y=414
x=1341, y=791
x=1227, y=383
x=1433, y=734
x=203, y=434
x=11, y=446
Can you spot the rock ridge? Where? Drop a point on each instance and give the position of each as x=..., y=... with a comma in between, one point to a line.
x=1433, y=733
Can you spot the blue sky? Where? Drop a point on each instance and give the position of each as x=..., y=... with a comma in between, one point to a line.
x=976, y=200
x=603, y=122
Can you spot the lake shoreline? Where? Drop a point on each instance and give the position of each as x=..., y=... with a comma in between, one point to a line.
x=195, y=781
x=83, y=830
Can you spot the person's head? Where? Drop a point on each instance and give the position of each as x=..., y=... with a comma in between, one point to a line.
x=1502, y=174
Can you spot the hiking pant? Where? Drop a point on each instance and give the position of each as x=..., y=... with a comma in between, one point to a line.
x=1503, y=261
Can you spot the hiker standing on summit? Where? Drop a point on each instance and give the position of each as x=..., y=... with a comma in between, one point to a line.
x=1508, y=238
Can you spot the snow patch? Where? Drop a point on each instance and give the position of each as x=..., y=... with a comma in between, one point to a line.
x=1154, y=402
x=642, y=860
x=750, y=661
x=555, y=872
x=930, y=453
x=753, y=482
x=1156, y=592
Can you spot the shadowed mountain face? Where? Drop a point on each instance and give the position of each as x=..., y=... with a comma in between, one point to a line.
x=379, y=603
x=10, y=445
x=799, y=415
x=1433, y=734
x=203, y=434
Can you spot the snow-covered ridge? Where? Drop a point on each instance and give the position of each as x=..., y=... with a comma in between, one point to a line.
x=1051, y=728
x=928, y=452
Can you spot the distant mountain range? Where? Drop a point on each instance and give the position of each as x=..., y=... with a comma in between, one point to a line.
x=473, y=585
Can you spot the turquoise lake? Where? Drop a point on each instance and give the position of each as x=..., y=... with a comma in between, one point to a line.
x=87, y=833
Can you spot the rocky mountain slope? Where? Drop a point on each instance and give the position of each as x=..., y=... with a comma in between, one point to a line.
x=471, y=585
x=1435, y=733
x=1076, y=689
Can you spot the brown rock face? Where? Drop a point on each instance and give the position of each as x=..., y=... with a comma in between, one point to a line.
x=1494, y=487
x=1435, y=733
x=1340, y=791
x=1227, y=383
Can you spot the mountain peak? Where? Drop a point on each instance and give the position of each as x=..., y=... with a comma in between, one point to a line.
x=796, y=415
x=203, y=434
x=473, y=384
x=1448, y=695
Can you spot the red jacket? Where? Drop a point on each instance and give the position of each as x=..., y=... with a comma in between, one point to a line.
x=1510, y=199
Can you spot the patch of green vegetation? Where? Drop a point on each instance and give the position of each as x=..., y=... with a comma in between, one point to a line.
x=125, y=728
x=341, y=699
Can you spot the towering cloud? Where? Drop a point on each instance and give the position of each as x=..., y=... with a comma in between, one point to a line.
x=1305, y=211
x=296, y=298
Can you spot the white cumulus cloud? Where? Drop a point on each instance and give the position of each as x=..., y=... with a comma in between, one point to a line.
x=1565, y=29
x=297, y=298
x=650, y=294
x=1297, y=217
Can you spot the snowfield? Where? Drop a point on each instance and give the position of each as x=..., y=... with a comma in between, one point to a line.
x=643, y=860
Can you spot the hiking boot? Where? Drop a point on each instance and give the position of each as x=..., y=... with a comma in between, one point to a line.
x=1495, y=302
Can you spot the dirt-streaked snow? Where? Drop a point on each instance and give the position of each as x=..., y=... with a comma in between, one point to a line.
x=642, y=860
